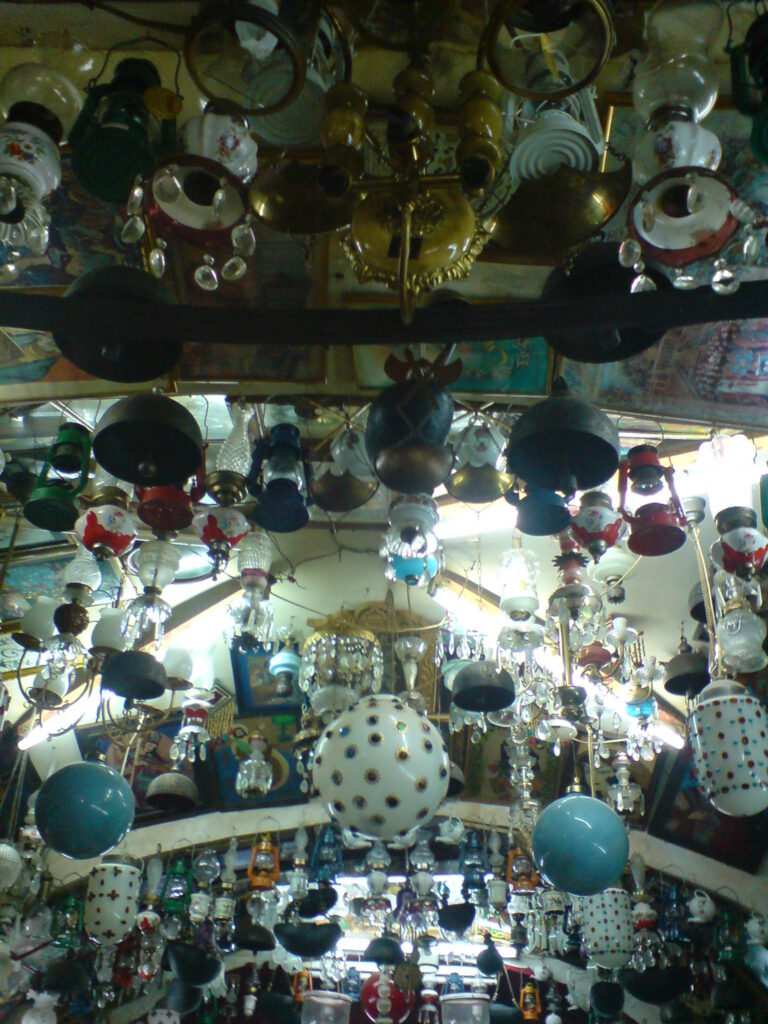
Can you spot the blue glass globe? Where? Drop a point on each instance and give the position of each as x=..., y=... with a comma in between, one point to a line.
x=580, y=845
x=84, y=809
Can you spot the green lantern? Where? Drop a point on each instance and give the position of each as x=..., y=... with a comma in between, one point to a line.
x=51, y=506
x=177, y=887
x=730, y=940
x=67, y=924
x=749, y=74
x=123, y=128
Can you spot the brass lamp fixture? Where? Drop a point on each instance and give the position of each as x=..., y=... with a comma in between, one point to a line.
x=414, y=230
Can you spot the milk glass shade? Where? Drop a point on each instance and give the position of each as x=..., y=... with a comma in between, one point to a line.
x=178, y=663
x=38, y=621
x=234, y=456
x=580, y=845
x=108, y=631
x=156, y=563
x=83, y=570
x=726, y=465
x=519, y=570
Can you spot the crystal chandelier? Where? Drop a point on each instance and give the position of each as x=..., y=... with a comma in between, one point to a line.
x=338, y=667
x=625, y=796
x=255, y=773
x=156, y=564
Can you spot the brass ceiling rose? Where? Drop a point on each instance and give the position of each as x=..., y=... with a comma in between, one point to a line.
x=395, y=25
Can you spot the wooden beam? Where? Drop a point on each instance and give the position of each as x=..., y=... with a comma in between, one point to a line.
x=128, y=320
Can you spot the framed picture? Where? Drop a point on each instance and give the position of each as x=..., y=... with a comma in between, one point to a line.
x=682, y=815
x=278, y=727
x=256, y=689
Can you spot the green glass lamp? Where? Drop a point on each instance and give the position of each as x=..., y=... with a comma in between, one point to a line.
x=51, y=505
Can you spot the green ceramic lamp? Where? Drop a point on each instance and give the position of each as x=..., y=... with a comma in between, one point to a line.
x=123, y=128
x=51, y=506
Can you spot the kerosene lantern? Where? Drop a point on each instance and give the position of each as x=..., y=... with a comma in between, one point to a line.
x=51, y=506
x=596, y=526
x=264, y=865
x=278, y=481
x=657, y=524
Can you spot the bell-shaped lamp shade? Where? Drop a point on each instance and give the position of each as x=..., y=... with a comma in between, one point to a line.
x=108, y=632
x=157, y=562
x=580, y=845
x=178, y=663
x=726, y=465
x=38, y=621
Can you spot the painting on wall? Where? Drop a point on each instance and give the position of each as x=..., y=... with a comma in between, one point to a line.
x=278, y=727
x=516, y=367
x=256, y=689
x=682, y=815
x=42, y=577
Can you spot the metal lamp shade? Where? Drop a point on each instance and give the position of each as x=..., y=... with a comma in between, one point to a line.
x=192, y=965
x=148, y=440
x=133, y=675
x=481, y=687
x=113, y=352
x=308, y=940
x=563, y=444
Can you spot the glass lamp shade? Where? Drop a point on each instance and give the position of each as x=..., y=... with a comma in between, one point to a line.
x=235, y=454
x=83, y=571
x=178, y=663
x=107, y=531
x=740, y=636
x=727, y=465
x=10, y=865
x=325, y=1008
x=38, y=621
x=580, y=845
x=410, y=547
x=108, y=631
x=84, y=809
x=682, y=82
x=39, y=84
x=481, y=444
x=519, y=569
x=726, y=732
x=254, y=560
x=465, y=1008
x=221, y=525
x=349, y=456
x=156, y=563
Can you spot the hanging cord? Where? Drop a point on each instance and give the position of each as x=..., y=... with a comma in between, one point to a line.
x=166, y=26
x=706, y=591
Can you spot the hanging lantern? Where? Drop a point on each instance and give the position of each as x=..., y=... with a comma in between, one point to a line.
x=227, y=484
x=479, y=475
x=123, y=126
x=409, y=547
x=656, y=527
x=51, y=505
x=328, y=855
x=339, y=667
x=264, y=865
x=278, y=481
x=107, y=531
x=220, y=529
x=255, y=773
x=177, y=887
x=596, y=526
x=740, y=632
x=530, y=1001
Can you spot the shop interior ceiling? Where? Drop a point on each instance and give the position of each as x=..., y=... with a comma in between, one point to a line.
x=334, y=562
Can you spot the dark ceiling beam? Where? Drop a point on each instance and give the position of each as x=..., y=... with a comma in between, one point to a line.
x=453, y=322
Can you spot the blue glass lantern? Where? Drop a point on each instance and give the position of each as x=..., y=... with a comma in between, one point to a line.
x=84, y=810
x=580, y=845
x=328, y=855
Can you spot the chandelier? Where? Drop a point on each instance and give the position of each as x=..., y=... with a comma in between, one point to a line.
x=339, y=666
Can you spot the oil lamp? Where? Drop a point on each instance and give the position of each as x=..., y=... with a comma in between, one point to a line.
x=519, y=570
x=740, y=633
x=264, y=865
x=51, y=505
x=328, y=855
x=410, y=548
x=177, y=887
x=530, y=1001
x=227, y=484
x=278, y=481
x=656, y=527
x=596, y=526
x=220, y=529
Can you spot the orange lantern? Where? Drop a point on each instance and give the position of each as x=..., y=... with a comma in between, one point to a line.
x=530, y=1003
x=264, y=866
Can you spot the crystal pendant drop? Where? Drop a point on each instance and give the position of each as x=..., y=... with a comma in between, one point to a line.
x=742, y=211
x=9, y=272
x=135, y=199
x=648, y=216
x=724, y=281
x=7, y=197
x=683, y=279
x=157, y=259
x=749, y=249
x=167, y=186
x=218, y=202
x=234, y=268
x=629, y=252
x=693, y=199
x=38, y=239
x=133, y=230
x=642, y=283
x=206, y=276
x=243, y=238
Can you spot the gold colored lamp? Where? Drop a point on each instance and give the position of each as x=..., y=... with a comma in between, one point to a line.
x=290, y=199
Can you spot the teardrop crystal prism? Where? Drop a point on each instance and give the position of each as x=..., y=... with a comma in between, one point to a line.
x=9, y=272
x=38, y=239
x=724, y=281
x=693, y=199
x=7, y=197
x=243, y=239
x=133, y=230
x=629, y=252
x=648, y=217
x=157, y=262
x=749, y=249
x=642, y=283
x=206, y=276
x=684, y=280
x=234, y=268
x=167, y=186
x=135, y=199
x=218, y=202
